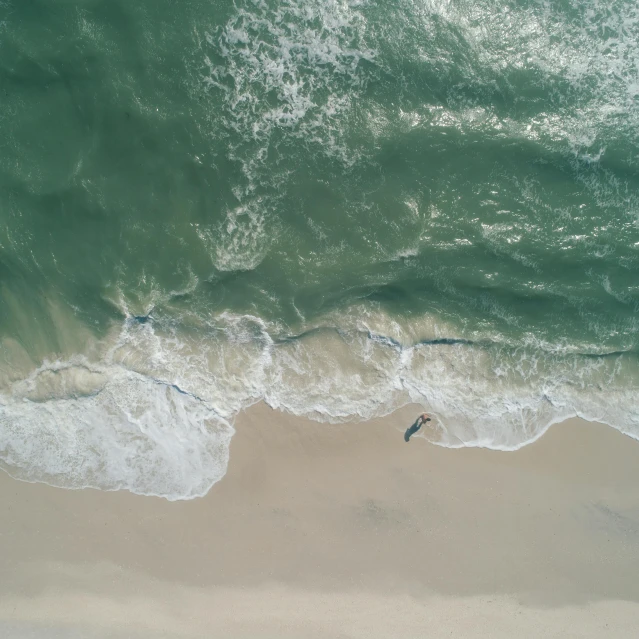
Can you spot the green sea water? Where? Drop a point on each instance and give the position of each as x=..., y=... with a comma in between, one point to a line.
x=335, y=207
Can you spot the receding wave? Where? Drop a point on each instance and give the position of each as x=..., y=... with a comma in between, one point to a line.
x=154, y=413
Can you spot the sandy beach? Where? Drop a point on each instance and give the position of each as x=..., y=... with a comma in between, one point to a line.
x=215, y=216
x=340, y=531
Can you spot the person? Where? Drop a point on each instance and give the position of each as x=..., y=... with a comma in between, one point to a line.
x=422, y=419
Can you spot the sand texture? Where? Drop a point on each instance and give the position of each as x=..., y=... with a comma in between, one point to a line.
x=340, y=531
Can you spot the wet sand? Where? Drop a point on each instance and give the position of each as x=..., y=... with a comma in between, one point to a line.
x=340, y=531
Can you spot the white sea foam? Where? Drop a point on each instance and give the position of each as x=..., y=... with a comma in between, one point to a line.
x=154, y=413
x=111, y=428
x=240, y=242
x=306, y=54
x=281, y=75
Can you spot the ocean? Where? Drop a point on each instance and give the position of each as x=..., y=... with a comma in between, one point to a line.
x=335, y=207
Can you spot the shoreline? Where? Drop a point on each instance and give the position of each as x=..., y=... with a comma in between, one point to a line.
x=340, y=530
x=407, y=411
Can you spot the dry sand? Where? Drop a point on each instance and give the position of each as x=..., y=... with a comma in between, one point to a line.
x=340, y=531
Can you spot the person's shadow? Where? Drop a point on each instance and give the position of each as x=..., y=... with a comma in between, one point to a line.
x=412, y=430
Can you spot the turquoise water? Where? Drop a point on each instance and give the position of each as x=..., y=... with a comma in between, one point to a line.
x=336, y=207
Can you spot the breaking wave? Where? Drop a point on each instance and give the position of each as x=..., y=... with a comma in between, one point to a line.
x=154, y=414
